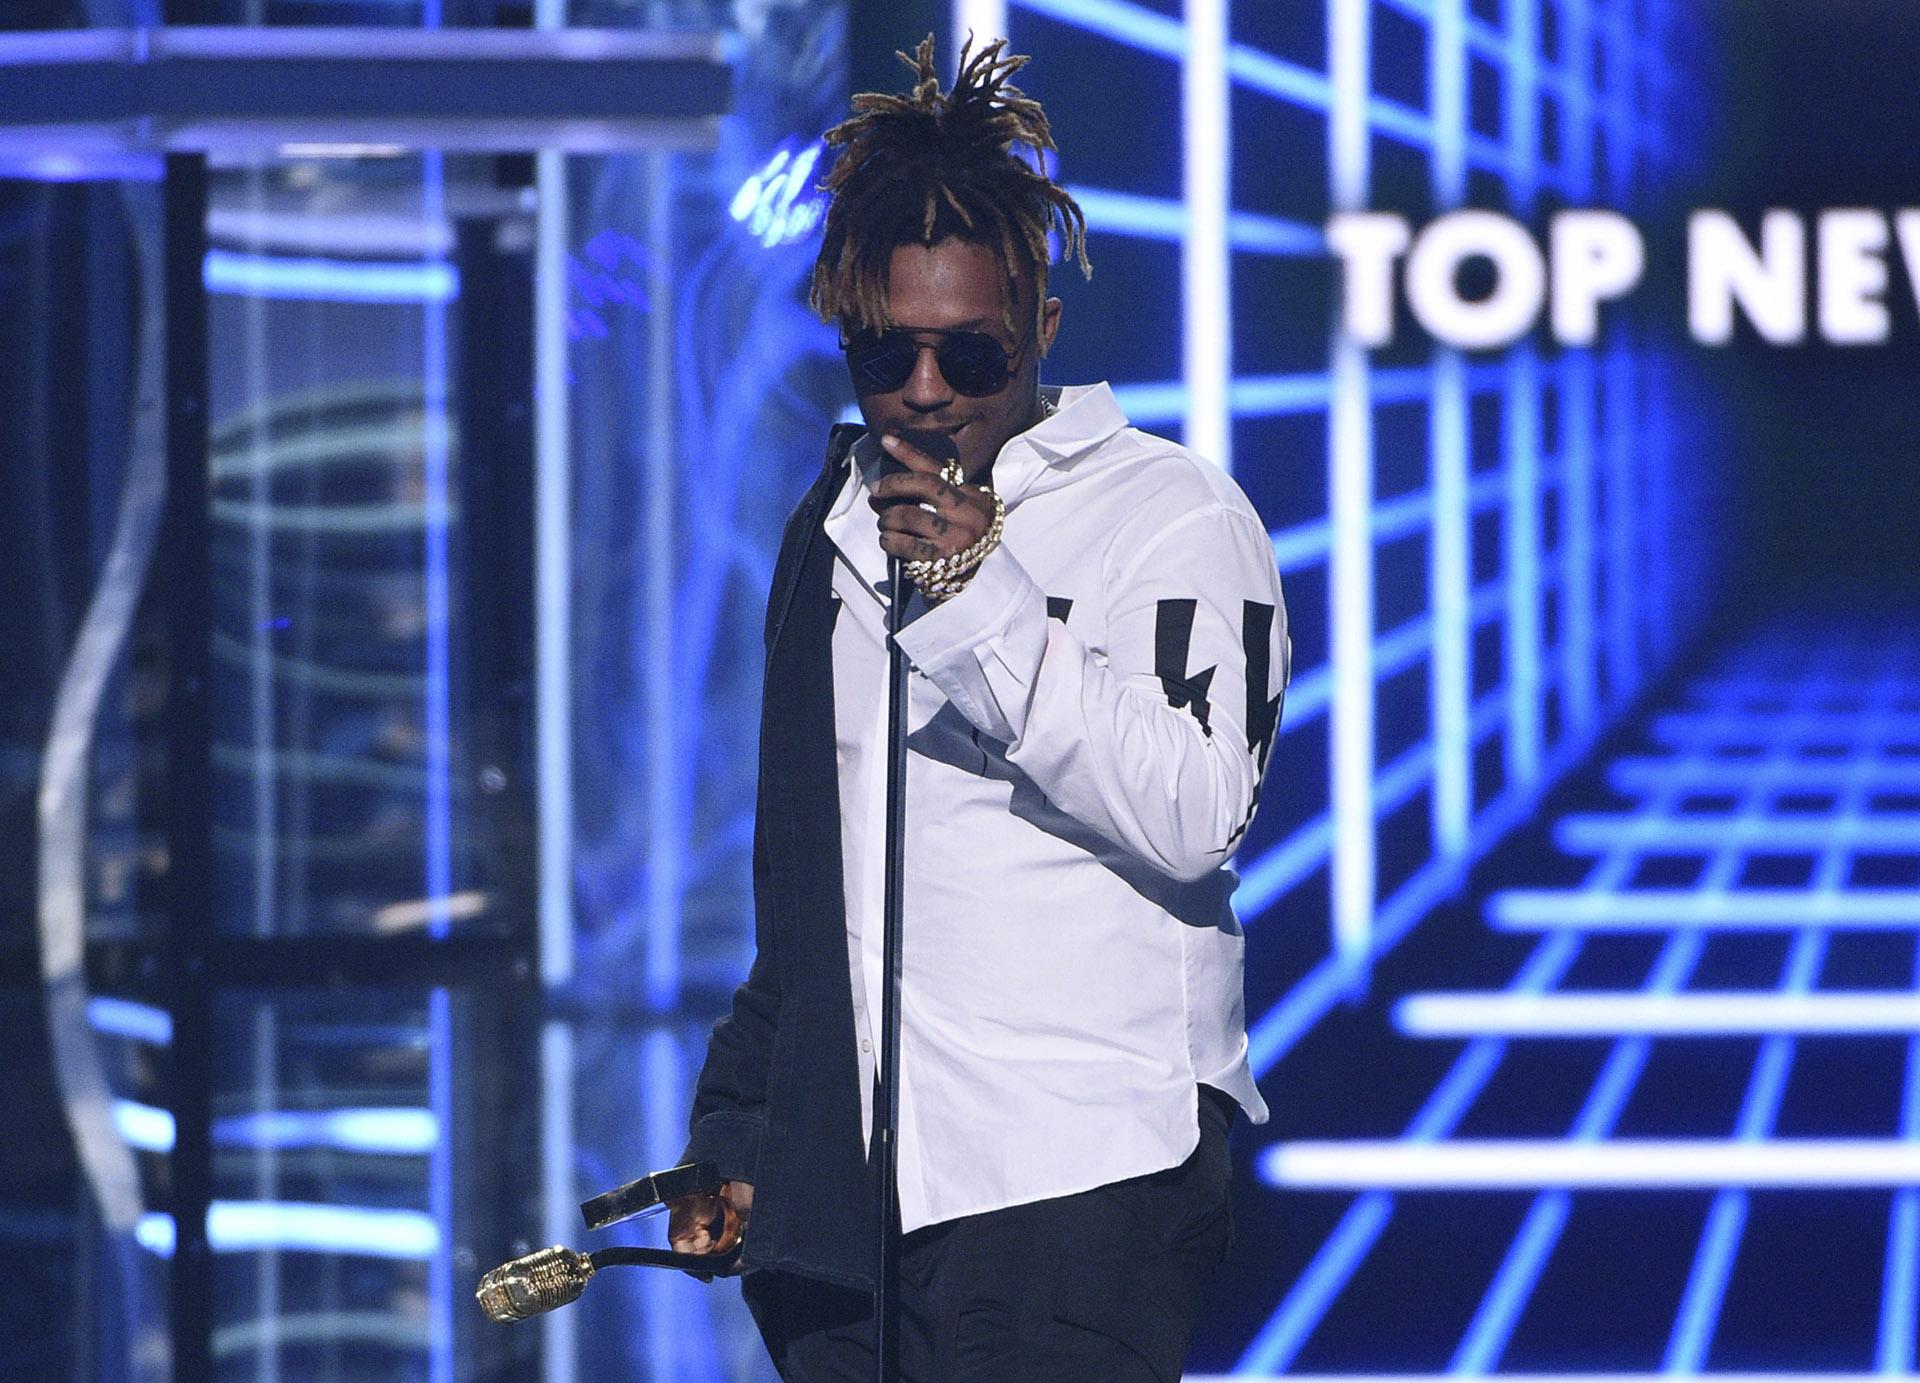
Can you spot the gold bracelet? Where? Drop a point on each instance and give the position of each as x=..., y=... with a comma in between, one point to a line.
x=942, y=578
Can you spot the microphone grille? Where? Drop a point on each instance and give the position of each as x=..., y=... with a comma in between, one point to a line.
x=541, y=1281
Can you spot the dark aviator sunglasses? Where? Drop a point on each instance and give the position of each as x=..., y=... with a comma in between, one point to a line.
x=972, y=362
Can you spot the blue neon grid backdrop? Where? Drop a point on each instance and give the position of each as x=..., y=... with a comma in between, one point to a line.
x=1683, y=1133
x=1531, y=560
x=1488, y=558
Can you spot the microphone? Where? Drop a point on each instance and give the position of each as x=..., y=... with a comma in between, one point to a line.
x=543, y=1281
x=551, y=1278
x=938, y=445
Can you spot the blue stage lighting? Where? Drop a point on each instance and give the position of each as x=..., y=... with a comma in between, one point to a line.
x=1510, y=1164
x=125, y=1018
x=329, y=280
x=1280, y=1339
x=1656, y=909
x=778, y=204
x=1719, y=1013
x=256, y=1226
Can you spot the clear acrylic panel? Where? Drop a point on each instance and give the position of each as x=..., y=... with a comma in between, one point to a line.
x=351, y=744
x=363, y=1179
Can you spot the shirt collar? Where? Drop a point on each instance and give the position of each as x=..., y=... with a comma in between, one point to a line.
x=1084, y=416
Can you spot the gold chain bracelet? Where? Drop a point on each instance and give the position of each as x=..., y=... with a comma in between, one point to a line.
x=942, y=578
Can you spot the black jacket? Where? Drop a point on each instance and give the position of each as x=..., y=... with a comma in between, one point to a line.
x=778, y=1101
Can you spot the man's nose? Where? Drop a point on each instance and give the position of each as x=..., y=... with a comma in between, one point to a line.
x=926, y=388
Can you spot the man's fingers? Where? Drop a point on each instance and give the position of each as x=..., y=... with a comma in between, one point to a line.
x=900, y=487
x=924, y=525
x=692, y=1222
x=912, y=548
x=909, y=455
x=709, y=1224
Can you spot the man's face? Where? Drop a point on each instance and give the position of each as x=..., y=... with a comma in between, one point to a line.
x=957, y=285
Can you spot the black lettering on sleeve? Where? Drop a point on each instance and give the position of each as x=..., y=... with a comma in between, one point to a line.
x=1172, y=635
x=1263, y=712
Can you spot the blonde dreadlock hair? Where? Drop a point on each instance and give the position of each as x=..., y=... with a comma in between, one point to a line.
x=920, y=168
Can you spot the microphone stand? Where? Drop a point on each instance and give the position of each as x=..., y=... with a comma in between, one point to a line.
x=887, y=1112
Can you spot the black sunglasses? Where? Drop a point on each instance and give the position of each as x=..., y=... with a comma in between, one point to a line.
x=972, y=362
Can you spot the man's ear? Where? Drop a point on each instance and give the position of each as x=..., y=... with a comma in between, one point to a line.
x=1049, y=324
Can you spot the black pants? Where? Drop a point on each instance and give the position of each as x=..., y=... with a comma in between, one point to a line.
x=1099, y=1287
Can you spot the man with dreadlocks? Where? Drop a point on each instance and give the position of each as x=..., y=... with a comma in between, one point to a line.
x=1099, y=650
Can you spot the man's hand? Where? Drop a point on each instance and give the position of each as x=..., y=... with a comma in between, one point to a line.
x=710, y=1223
x=959, y=515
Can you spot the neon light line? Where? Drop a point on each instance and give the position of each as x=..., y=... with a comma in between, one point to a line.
x=1900, y=1286
x=1160, y=218
x=1622, y=610
x=1635, y=776
x=1488, y=604
x=1900, y=1281
x=1349, y=509
x=125, y=1018
x=1206, y=297
x=1319, y=1285
x=1686, y=728
x=1259, y=71
x=1263, y=396
x=1280, y=1339
x=436, y=461
x=984, y=19
x=1764, y=685
x=251, y=1226
x=1717, y=1377
x=1574, y=76
x=393, y=1132
x=1411, y=127
x=1289, y=1019
x=1307, y=543
x=1487, y=1335
x=1272, y=396
x=1402, y=778
x=1350, y=612
x=1132, y=25
x=1706, y=1287
x=144, y=1127
x=1496, y=1164
x=1735, y=909
x=1450, y=575
x=1588, y=832
x=1520, y=113
x=1308, y=693
x=1717, y=1013
x=1520, y=543
x=1145, y=404
x=1278, y=870
x=1499, y=1311
x=329, y=280
x=1276, y=77
x=1579, y=641
x=1706, y=1284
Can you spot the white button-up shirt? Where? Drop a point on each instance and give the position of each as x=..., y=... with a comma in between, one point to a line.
x=1084, y=753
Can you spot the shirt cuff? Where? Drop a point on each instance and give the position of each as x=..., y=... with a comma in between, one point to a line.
x=983, y=647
